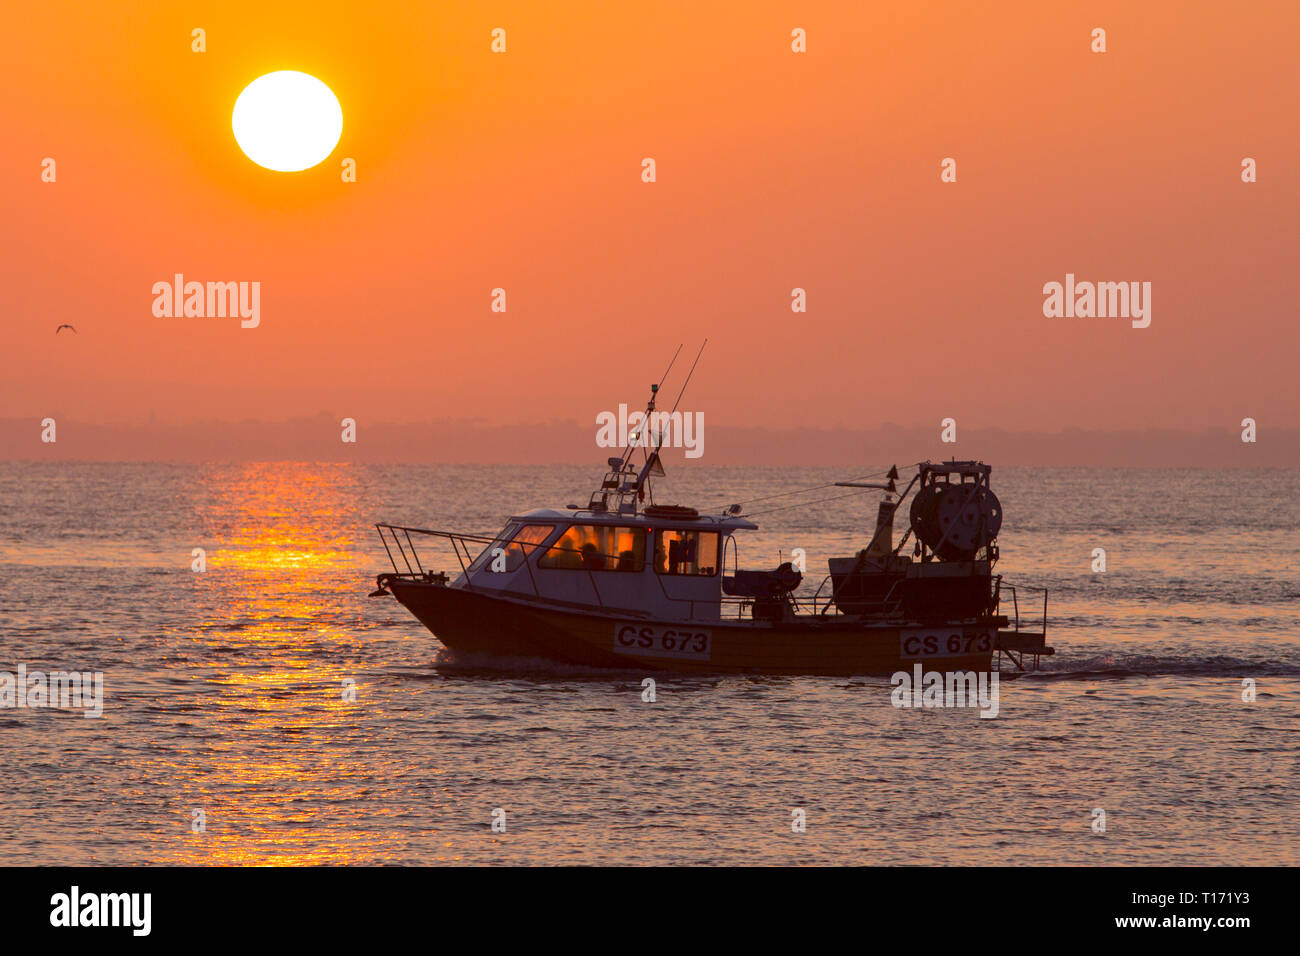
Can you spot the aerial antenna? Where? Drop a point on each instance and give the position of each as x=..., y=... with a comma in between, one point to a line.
x=664, y=378
x=652, y=462
x=654, y=394
x=689, y=374
x=623, y=459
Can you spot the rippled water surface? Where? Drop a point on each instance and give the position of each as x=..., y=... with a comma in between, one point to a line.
x=223, y=688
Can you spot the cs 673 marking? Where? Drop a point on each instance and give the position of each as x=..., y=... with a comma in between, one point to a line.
x=650, y=640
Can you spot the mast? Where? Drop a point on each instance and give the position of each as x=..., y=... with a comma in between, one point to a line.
x=622, y=479
x=653, y=465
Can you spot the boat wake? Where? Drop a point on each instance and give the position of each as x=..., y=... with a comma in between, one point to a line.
x=1097, y=667
x=1119, y=666
x=462, y=663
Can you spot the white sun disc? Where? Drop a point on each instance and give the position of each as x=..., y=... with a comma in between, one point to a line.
x=287, y=121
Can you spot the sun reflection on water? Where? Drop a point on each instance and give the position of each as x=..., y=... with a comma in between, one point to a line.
x=284, y=516
x=283, y=553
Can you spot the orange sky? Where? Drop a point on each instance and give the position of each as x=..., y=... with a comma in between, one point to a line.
x=775, y=170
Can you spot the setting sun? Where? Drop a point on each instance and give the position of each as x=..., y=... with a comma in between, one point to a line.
x=287, y=121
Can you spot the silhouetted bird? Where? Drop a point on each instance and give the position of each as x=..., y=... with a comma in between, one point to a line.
x=62, y=327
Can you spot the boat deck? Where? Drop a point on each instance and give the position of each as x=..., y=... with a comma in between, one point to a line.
x=1018, y=645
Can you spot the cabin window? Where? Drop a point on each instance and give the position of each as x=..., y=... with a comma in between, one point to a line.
x=506, y=534
x=686, y=552
x=520, y=536
x=596, y=547
x=524, y=543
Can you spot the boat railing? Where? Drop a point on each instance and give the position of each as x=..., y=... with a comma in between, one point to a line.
x=1029, y=623
x=825, y=605
x=821, y=603
x=464, y=546
x=393, y=536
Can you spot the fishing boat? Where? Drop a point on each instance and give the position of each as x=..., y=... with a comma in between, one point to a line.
x=623, y=582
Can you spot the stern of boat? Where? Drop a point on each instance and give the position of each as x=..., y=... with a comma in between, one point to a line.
x=1022, y=640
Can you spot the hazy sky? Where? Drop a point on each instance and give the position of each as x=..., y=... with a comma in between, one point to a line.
x=775, y=170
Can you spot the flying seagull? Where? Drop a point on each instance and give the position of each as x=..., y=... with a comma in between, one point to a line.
x=62, y=327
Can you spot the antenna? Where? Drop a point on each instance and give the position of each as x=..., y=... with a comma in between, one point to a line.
x=660, y=436
x=689, y=374
x=655, y=388
x=650, y=406
x=652, y=463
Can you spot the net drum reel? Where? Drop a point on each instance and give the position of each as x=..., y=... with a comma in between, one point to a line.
x=955, y=520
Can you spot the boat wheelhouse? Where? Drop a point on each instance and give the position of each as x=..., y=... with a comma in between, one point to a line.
x=663, y=562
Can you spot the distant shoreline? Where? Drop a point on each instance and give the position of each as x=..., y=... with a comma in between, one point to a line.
x=461, y=442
